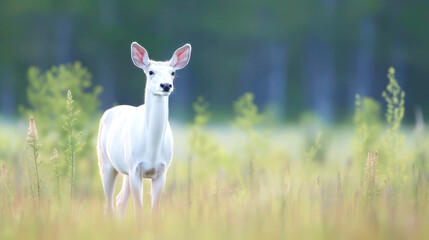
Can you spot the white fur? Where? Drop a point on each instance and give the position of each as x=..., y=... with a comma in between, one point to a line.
x=137, y=141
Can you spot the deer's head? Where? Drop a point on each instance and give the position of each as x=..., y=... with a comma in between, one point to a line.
x=160, y=75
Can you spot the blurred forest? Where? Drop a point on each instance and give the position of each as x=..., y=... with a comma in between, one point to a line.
x=295, y=56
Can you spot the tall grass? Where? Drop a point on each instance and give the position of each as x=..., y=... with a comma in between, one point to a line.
x=56, y=167
x=34, y=143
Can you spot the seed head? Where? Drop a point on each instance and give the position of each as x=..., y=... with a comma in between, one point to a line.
x=33, y=134
x=371, y=173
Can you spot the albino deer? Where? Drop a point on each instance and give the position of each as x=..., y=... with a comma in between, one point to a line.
x=137, y=141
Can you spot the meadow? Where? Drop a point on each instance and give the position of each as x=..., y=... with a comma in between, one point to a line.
x=250, y=178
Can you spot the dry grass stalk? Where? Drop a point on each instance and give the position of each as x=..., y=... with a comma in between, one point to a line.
x=371, y=175
x=56, y=166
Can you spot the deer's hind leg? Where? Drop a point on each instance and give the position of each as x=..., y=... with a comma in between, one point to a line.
x=108, y=176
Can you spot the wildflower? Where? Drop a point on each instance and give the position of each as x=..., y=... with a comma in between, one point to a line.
x=33, y=134
x=54, y=154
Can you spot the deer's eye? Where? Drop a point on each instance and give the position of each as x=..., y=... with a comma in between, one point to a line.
x=173, y=73
x=151, y=73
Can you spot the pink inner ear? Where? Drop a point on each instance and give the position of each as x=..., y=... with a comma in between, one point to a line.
x=181, y=55
x=140, y=54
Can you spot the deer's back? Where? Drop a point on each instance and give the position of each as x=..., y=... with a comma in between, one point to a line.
x=117, y=135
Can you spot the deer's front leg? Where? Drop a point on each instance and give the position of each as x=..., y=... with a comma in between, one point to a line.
x=136, y=187
x=157, y=187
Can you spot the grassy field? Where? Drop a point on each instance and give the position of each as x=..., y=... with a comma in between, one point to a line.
x=251, y=178
x=304, y=181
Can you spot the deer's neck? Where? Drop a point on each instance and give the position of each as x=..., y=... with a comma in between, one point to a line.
x=155, y=122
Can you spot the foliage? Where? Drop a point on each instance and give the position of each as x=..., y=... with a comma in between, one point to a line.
x=206, y=151
x=367, y=125
x=73, y=143
x=314, y=149
x=46, y=93
x=395, y=100
x=253, y=148
x=394, y=97
x=247, y=116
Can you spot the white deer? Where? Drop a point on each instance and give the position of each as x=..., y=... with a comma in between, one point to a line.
x=137, y=141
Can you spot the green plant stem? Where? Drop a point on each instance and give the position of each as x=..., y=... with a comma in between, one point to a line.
x=59, y=191
x=72, y=163
x=58, y=183
x=29, y=177
x=189, y=181
x=37, y=175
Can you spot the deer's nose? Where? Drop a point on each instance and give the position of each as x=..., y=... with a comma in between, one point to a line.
x=166, y=86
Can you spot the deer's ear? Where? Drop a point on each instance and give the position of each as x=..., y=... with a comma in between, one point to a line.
x=181, y=57
x=139, y=56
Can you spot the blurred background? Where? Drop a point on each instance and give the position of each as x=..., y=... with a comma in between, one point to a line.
x=295, y=56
